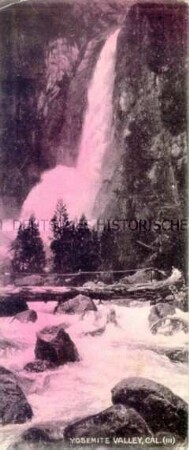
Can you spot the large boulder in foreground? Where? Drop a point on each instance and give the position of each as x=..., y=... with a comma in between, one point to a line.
x=116, y=421
x=77, y=305
x=55, y=345
x=12, y=305
x=159, y=406
x=14, y=407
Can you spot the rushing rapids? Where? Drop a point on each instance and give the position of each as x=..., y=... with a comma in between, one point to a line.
x=82, y=388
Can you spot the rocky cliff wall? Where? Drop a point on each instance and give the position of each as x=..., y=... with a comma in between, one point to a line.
x=148, y=181
x=48, y=52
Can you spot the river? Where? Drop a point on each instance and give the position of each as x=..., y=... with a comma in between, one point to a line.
x=79, y=389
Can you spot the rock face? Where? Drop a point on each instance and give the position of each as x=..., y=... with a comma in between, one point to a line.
x=14, y=407
x=114, y=421
x=78, y=305
x=56, y=346
x=161, y=409
x=150, y=120
x=10, y=306
x=26, y=316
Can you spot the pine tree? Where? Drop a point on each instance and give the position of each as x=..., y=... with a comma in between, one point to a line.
x=81, y=247
x=95, y=250
x=108, y=249
x=28, y=250
x=86, y=247
x=63, y=239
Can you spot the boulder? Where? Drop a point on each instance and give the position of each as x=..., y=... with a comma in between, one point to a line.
x=24, y=382
x=35, y=434
x=39, y=365
x=177, y=355
x=159, y=406
x=77, y=305
x=14, y=407
x=26, y=316
x=55, y=345
x=11, y=375
x=44, y=432
x=11, y=305
x=160, y=311
x=169, y=325
x=116, y=421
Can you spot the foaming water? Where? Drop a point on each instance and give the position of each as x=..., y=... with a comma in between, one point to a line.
x=79, y=186
x=83, y=388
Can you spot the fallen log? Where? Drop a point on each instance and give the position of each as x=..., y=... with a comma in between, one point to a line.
x=154, y=290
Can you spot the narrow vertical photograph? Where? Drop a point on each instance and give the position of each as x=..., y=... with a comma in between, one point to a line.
x=94, y=224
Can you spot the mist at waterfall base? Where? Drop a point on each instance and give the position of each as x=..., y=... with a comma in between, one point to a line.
x=78, y=186
x=83, y=388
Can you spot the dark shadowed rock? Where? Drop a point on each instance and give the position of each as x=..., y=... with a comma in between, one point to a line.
x=45, y=432
x=114, y=421
x=78, y=305
x=8, y=373
x=25, y=383
x=158, y=405
x=177, y=355
x=26, y=316
x=11, y=305
x=55, y=345
x=39, y=366
x=14, y=407
x=36, y=435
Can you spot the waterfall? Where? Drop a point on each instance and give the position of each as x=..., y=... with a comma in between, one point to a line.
x=78, y=186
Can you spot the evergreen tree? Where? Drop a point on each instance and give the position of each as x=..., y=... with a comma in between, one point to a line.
x=108, y=249
x=63, y=239
x=95, y=250
x=86, y=247
x=28, y=250
x=81, y=247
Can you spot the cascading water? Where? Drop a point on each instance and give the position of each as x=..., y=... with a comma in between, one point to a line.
x=83, y=388
x=79, y=186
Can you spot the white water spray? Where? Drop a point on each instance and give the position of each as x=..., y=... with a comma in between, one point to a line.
x=79, y=186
